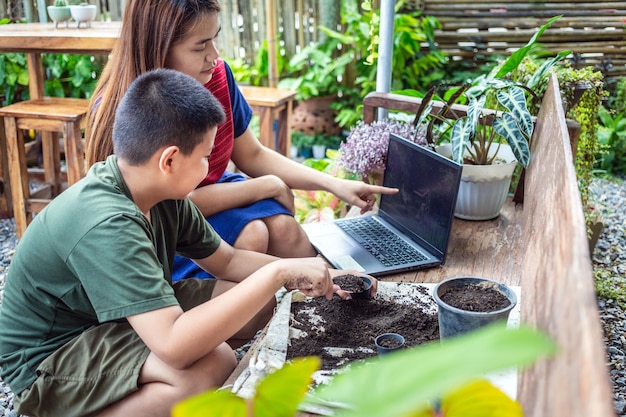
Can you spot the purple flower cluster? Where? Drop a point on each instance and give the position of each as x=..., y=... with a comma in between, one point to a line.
x=365, y=148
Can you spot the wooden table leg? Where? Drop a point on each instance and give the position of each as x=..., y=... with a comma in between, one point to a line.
x=266, y=131
x=284, y=129
x=35, y=75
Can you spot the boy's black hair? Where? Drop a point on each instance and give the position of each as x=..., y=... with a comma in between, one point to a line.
x=163, y=107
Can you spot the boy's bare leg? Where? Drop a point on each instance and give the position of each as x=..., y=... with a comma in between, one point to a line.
x=161, y=386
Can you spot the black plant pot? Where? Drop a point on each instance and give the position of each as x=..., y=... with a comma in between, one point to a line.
x=365, y=293
x=455, y=321
x=388, y=342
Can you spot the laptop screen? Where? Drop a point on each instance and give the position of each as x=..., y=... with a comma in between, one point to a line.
x=428, y=183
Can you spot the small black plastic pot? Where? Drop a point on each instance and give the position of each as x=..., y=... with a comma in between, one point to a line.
x=454, y=321
x=365, y=294
x=388, y=342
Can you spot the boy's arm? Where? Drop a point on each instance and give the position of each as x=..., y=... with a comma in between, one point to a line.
x=180, y=338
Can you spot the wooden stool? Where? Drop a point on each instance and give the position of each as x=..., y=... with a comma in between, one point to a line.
x=49, y=115
x=272, y=104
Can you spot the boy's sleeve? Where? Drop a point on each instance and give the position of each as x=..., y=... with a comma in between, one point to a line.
x=196, y=237
x=120, y=270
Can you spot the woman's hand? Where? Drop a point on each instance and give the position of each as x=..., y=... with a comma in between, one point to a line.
x=360, y=194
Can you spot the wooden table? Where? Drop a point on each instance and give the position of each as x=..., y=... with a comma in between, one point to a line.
x=37, y=38
x=272, y=104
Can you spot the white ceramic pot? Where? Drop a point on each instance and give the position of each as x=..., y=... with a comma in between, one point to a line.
x=319, y=151
x=84, y=13
x=59, y=14
x=483, y=188
x=293, y=152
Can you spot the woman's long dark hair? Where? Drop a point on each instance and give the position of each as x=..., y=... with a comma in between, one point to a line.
x=149, y=29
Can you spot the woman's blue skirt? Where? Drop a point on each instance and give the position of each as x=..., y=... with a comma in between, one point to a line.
x=228, y=224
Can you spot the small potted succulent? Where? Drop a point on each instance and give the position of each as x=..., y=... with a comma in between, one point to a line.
x=59, y=12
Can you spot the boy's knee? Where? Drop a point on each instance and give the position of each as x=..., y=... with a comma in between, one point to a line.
x=211, y=371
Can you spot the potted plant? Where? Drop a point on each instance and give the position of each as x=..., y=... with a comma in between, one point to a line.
x=83, y=12
x=468, y=303
x=59, y=12
x=315, y=73
x=318, y=146
x=303, y=142
x=364, y=151
x=322, y=142
x=489, y=144
x=491, y=134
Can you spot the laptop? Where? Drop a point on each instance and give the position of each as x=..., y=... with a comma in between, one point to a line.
x=412, y=228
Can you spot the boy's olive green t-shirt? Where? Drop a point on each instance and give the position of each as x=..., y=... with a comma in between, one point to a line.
x=89, y=257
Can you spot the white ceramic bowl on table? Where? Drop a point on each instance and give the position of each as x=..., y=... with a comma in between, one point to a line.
x=84, y=13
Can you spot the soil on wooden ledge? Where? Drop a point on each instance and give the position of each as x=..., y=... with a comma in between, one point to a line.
x=356, y=323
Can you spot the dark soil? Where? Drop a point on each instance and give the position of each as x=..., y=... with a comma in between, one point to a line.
x=472, y=297
x=350, y=283
x=356, y=323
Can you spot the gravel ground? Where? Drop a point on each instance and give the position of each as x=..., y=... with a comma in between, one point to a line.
x=609, y=263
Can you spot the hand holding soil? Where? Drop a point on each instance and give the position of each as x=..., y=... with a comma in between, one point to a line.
x=352, y=282
x=308, y=275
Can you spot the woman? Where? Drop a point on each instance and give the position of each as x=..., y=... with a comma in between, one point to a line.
x=254, y=213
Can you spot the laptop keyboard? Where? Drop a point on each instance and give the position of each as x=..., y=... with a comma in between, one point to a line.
x=381, y=242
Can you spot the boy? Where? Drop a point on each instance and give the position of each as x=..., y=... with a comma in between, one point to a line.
x=90, y=324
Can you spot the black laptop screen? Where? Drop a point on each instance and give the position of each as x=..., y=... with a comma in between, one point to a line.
x=428, y=185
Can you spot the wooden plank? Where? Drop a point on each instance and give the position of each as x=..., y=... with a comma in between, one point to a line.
x=604, y=4
x=523, y=35
x=557, y=280
x=451, y=23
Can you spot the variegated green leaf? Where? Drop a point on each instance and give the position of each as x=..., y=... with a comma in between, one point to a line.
x=464, y=130
x=459, y=138
x=507, y=127
x=514, y=100
x=474, y=111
